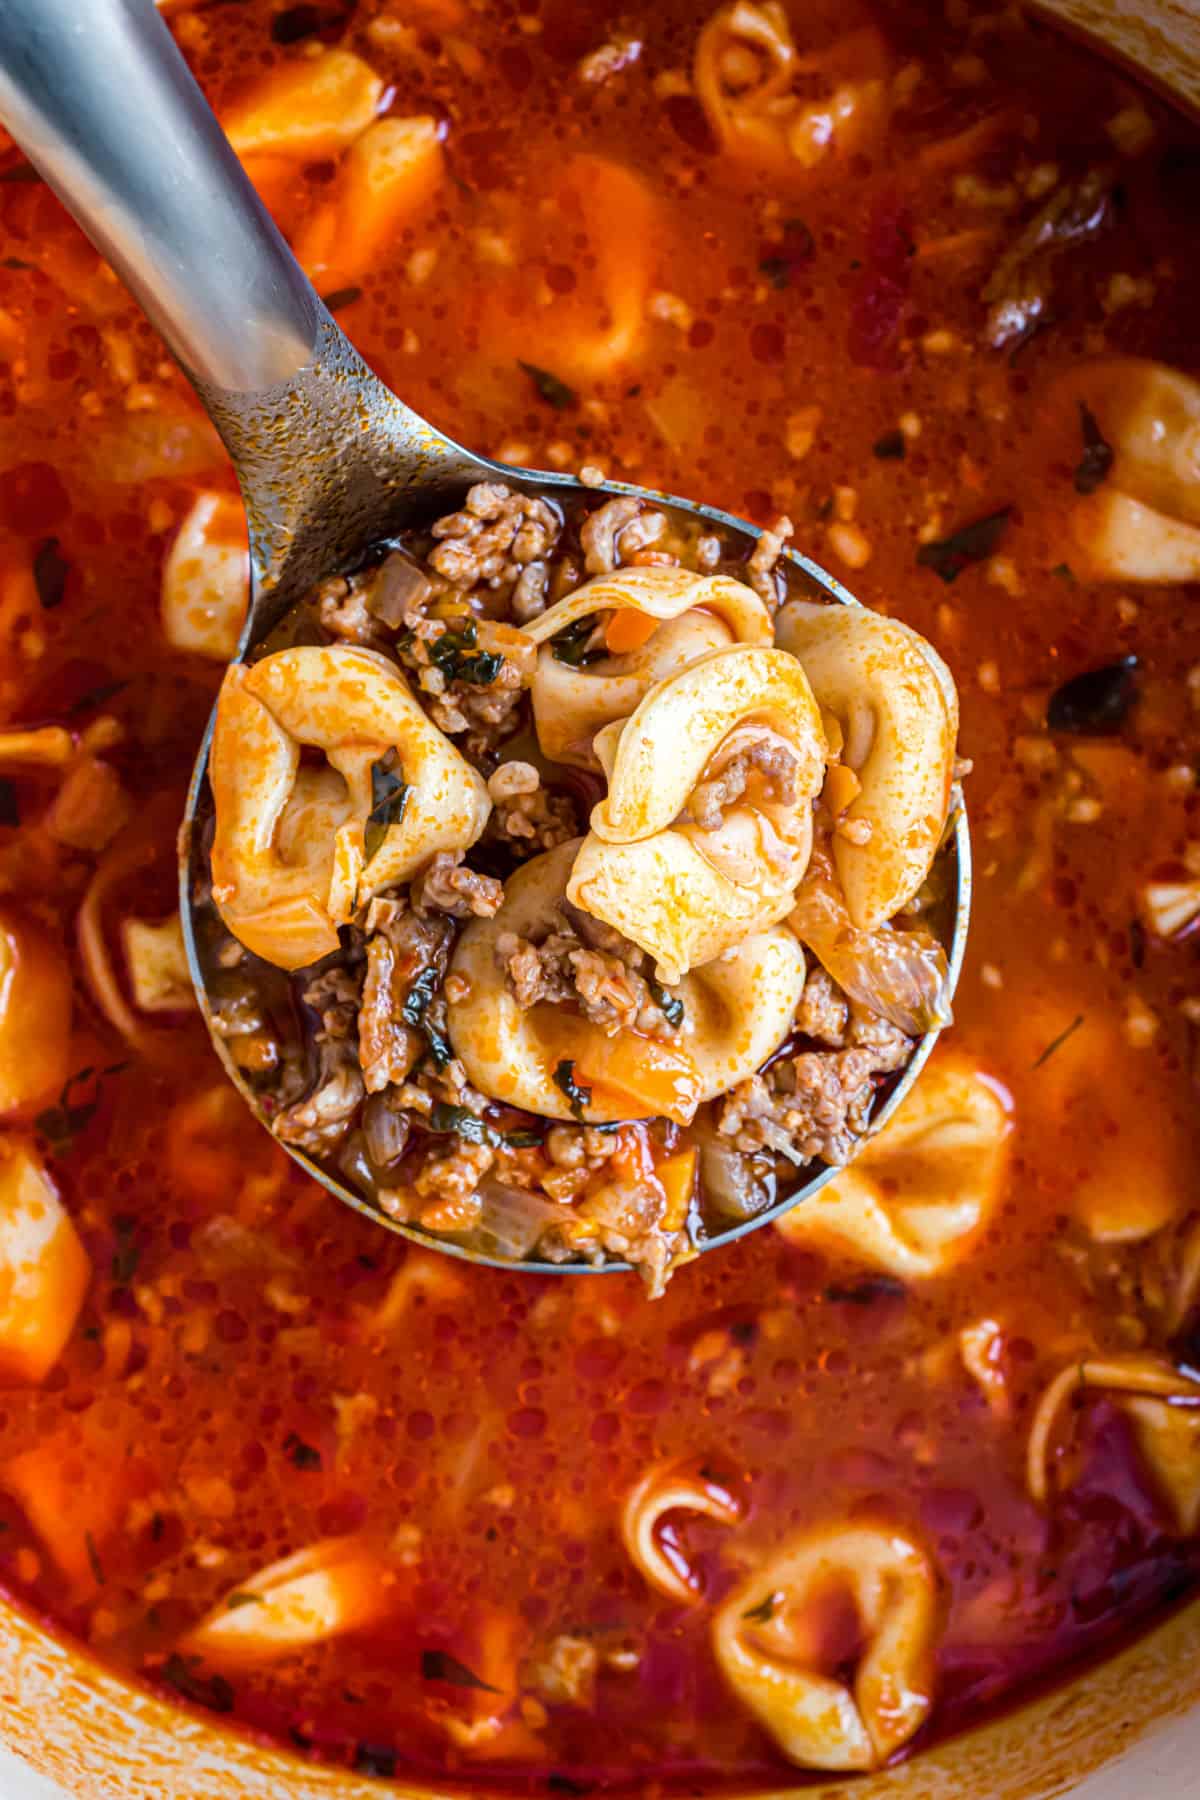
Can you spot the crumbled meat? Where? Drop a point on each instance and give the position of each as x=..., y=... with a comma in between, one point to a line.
x=565, y=1674
x=399, y=953
x=343, y=611
x=523, y=811
x=771, y=758
x=449, y=1183
x=616, y=532
x=492, y=539
x=487, y=710
x=761, y=570
x=529, y=593
x=318, y=1123
x=817, y=1104
x=1020, y=290
x=606, y=984
x=823, y=1012
x=398, y=589
x=626, y=1221
x=448, y=886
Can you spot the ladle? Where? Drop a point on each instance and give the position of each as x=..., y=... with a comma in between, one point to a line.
x=329, y=460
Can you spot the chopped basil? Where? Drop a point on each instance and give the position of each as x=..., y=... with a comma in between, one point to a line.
x=764, y=1611
x=972, y=543
x=415, y=1012
x=50, y=571
x=235, y=1601
x=867, y=1291
x=1097, y=459
x=126, y=1256
x=439, y=1665
x=571, y=644
x=669, y=1005
x=463, y=1123
x=341, y=297
x=456, y=655
x=554, y=392
x=1096, y=702
x=183, y=1673
x=300, y=1454
x=389, y=798
x=521, y=1140
x=1058, y=1042
x=891, y=447
x=94, y=1559
x=61, y=1124
x=578, y=1098
x=95, y=697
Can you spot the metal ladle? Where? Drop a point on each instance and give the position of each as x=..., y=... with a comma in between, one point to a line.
x=329, y=460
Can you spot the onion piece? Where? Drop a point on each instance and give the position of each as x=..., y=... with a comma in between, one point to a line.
x=901, y=975
x=512, y=1221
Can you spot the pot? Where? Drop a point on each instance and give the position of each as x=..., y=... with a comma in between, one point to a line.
x=1128, y=1727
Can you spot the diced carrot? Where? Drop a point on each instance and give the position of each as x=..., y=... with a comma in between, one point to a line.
x=678, y=1177
x=629, y=630
x=643, y=1078
x=334, y=1587
x=44, y=1269
x=307, y=109
x=393, y=170
x=35, y=1014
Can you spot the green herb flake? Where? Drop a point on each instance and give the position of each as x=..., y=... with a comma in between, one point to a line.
x=578, y=1098
x=764, y=1612
x=463, y=1123
x=236, y=1601
x=972, y=543
x=300, y=1454
x=572, y=645
x=61, y=1124
x=1097, y=460
x=185, y=1675
x=522, y=1140
x=554, y=392
x=94, y=1559
x=456, y=655
x=891, y=447
x=1058, y=1042
x=1064, y=571
x=341, y=297
x=126, y=1255
x=389, y=799
x=668, y=1004
x=439, y=1665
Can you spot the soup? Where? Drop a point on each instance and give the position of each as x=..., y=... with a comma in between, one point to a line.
x=922, y=289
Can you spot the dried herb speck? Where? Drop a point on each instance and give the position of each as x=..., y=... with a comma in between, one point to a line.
x=184, y=1674
x=50, y=571
x=764, y=1612
x=300, y=1454
x=462, y=1122
x=1058, y=1042
x=554, y=392
x=375, y=1759
x=341, y=297
x=93, y=1555
x=1097, y=459
x=439, y=1665
x=973, y=543
x=126, y=1255
x=61, y=1123
x=891, y=447
x=867, y=1291
x=669, y=1005
x=578, y=1098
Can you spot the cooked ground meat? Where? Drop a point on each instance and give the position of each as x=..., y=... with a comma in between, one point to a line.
x=408, y=949
x=606, y=984
x=760, y=565
x=524, y=815
x=319, y=1122
x=448, y=886
x=497, y=533
x=823, y=1012
x=817, y=1104
x=616, y=531
x=772, y=759
x=473, y=674
x=342, y=608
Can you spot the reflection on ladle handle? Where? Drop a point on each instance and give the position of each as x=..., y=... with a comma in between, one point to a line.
x=101, y=101
x=105, y=107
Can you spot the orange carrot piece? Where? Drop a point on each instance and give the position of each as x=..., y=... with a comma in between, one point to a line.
x=678, y=1177
x=641, y=1076
x=629, y=630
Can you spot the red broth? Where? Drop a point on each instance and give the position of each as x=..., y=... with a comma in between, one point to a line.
x=254, y=1368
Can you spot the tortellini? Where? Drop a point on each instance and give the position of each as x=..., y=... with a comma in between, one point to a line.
x=688, y=614
x=44, y=1269
x=1151, y=1384
x=332, y=1588
x=920, y=1191
x=291, y=857
x=897, y=706
x=1142, y=522
x=736, y=1013
x=767, y=1640
x=682, y=885
x=747, y=72
x=671, y=1488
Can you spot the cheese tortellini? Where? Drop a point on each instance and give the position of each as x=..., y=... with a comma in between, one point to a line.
x=748, y=75
x=1142, y=522
x=919, y=1192
x=685, y=615
x=1164, y=1405
x=767, y=1640
x=291, y=859
x=736, y=1013
x=665, y=1489
x=684, y=882
x=895, y=702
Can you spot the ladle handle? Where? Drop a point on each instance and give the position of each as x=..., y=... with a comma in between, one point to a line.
x=105, y=107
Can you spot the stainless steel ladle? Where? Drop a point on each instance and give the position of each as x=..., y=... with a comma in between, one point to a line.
x=329, y=461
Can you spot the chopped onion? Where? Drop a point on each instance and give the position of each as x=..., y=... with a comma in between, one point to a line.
x=735, y=1185
x=901, y=975
x=513, y=1221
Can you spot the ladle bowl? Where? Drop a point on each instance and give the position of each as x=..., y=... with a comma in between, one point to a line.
x=329, y=460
